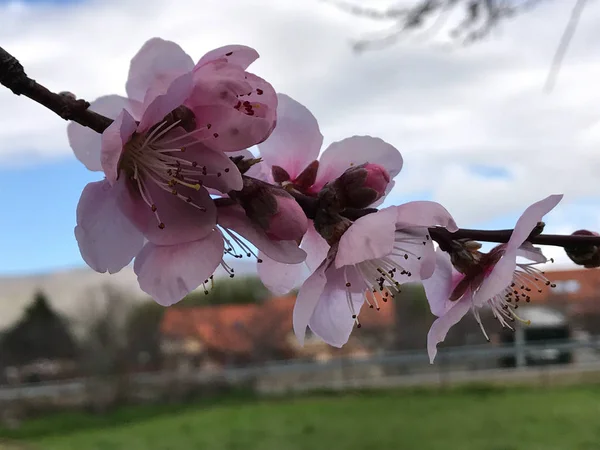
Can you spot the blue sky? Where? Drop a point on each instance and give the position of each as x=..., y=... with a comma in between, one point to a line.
x=476, y=132
x=39, y=205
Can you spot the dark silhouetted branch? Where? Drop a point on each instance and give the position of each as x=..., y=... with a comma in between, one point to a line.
x=13, y=76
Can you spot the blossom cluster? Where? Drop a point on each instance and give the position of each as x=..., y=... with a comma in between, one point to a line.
x=182, y=195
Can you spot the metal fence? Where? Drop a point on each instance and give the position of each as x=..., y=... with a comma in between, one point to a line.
x=529, y=363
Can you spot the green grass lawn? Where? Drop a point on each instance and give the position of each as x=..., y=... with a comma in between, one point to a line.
x=466, y=419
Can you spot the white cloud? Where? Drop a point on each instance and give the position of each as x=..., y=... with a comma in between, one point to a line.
x=444, y=108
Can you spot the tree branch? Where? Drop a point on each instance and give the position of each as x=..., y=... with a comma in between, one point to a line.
x=502, y=236
x=65, y=105
x=13, y=76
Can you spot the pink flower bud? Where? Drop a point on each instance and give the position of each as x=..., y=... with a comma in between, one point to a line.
x=361, y=186
x=377, y=179
x=289, y=223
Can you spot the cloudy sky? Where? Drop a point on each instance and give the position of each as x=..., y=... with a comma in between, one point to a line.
x=476, y=129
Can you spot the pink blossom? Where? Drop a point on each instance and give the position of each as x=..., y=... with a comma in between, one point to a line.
x=232, y=109
x=364, y=262
x=291, y=158
x=497, y=281
x=292, y=151
x=108, y=241
x=169, y=272
x=153, y=205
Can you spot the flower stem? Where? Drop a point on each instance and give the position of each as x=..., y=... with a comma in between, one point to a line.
x=13, y=76
x=65, y=105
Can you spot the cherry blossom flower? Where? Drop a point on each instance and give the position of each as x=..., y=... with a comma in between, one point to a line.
x=153, y=205
x=496, y=281
x=232, y=108
x=291, y=158
x=377, y=253
x=169, y=272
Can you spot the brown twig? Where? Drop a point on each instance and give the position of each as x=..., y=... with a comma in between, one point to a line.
x=502, y=236
x=13, y=76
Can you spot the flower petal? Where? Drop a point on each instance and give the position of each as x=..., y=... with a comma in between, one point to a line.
x=157, y=61
x=278, y=277
x=439, y=286
x=168, y=273
x=498, y=279
x=439, y=328
x=240, y=55
x=107, y=240
x=332, y=318
x=356, y=150
x=114, y=139
x=315, y=246
x=240, y=107
x=221, y=172
x=296, y=140
x=85, y=142
x=183, y=222
x=161, y=99
x=360, y=243
x=425, y=214
x=234, y=218
x=529, y=219
x=307, y=300
x=527, y=250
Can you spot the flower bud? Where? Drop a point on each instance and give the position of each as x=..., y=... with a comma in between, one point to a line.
x=272, y=208
x=377, y=179
x=289, y=223
x=587, y=256
x=363, y=185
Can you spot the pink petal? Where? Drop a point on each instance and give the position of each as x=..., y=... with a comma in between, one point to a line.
x=278, y=277
x=183, y=222
x=234, y=218
x=527, y=250
x=307, y=300
x=107, y=240
x=360, y=243
x=357, y=150
x=315, y=246
x=168, y=273
x=221, y=173
x=218, y=98
x=296, y=140
x=240, y=55
x=439, y=329
x=425, y=214
x=414, y=253
x=114, y=139
x=232, y=130
x=86, y=143
x=439, y=287
x=529, y=219
x=332, y=318
x=498, y=279
x=160, y=100
x=156, y=61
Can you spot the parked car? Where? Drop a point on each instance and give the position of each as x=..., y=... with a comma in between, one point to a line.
x=548, y=328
